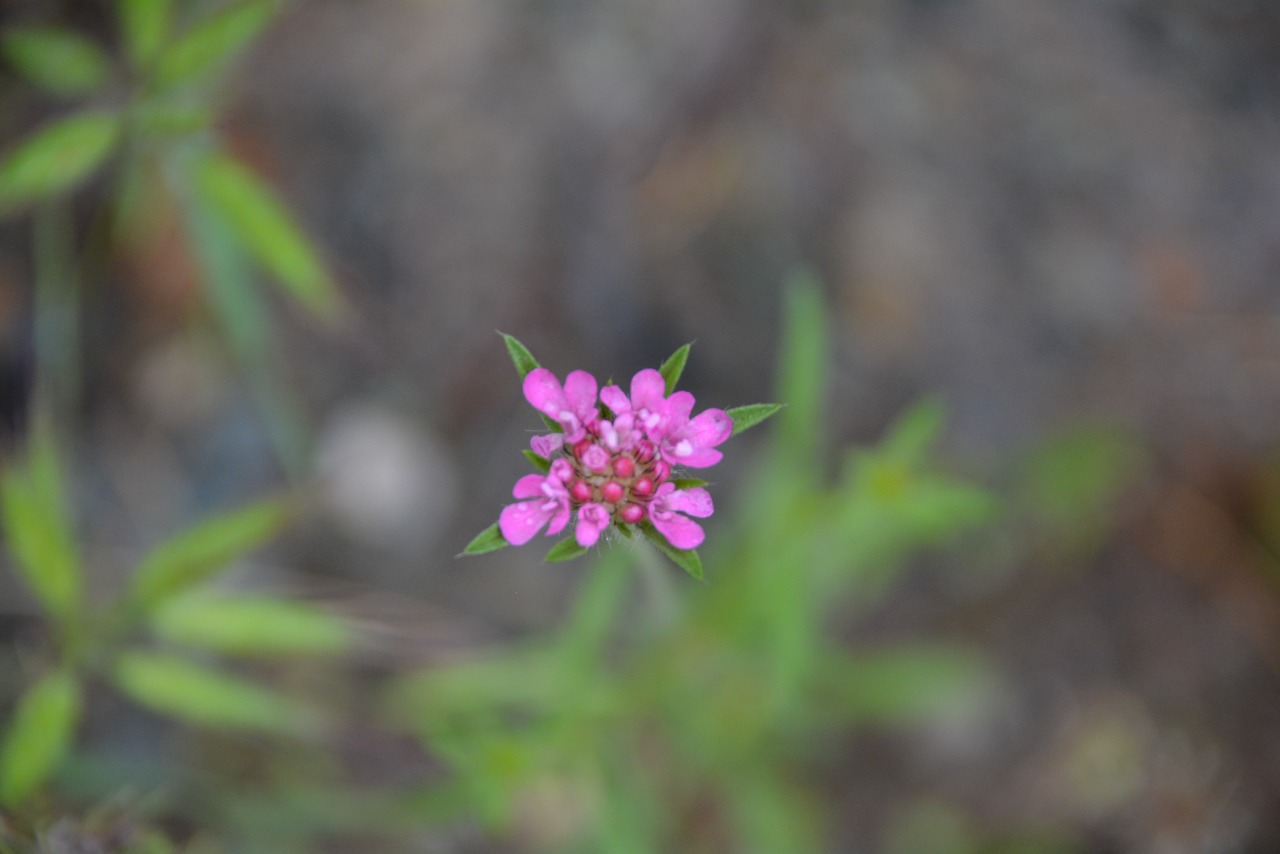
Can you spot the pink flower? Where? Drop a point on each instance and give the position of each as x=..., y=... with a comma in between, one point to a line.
x=647, y=401
x=592, y=520
x=668, y=503
x=572, y=406
x=549, y=504
x=691, y=442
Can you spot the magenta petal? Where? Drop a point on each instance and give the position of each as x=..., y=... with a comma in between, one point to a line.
x=580, y=390
x=709, y=428
x=543, y=391
x=678, y=407
x=519, y=522
x=695, y=502
x=529, y=486
x=681, y=531
x=698, y=458
x=648, y=389
x=545, y=446
x=592, y=520
x=612, y=397
x=560, y=519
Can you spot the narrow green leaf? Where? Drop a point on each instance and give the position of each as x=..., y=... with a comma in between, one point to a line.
x=915, y=432
x=673, y=367
x=746, y=417
x=200, y=552
x=57, y=158
x=488, y=540
x=688, y=482
x=802, y=376
x=199, y=695
x=40, y=734
x=686, y=559
x=264, y=227
x=145, y=25
x=250, y=626
x=40, y=535
x=520, y=355
x=540, y=462
x=210, y=44
x=566, y=549
x=58, y=61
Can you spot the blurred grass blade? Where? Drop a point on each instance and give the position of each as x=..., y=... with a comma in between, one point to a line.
x=39, y=532
x=915, y=432
x=40, y=733
x=57, y=158
x=520, y=355
x=199, y=695
x=673, y=367
x=250, y=626
x=746, y=417
x=202, y=551
x=262, y=225
x=686, y=559
x=212, y=43
x=488, y=540
x=57, y=61
x=908, y=684
x=145, y=26
x=566, y=549
x=802, y=376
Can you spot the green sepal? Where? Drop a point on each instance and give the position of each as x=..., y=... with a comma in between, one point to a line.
x=688, y=482
x=566, y=549
x=673, y=367
x=746, y=417
x=540, y=462
x=686, y=559
x=520, y=355
x=488, y=540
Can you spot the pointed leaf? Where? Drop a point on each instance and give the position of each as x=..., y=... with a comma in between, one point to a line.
x=199, y=695
x=58, y=61
x=263, y=226
x=57, y=158
x=688, y=482
x=40, y=536
x=566, y=549
x=250, y=625
x=746, y=417
x=673, y=367
x=520, y=355
x=488, y=540
x=212, y=43
x=540, y=462
x=686, y=559
x=40, y=733
x=200, y=552
x=145, y=25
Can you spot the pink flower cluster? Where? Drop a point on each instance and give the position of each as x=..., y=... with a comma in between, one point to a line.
x=613, y=462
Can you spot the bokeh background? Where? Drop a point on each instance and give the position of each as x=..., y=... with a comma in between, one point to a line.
x=1062, y=220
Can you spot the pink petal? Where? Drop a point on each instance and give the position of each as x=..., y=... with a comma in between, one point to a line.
x=580, y=390
x=648, y=389
x=520, y=522
x=678, y=407
x=545, y=446
x=612, y=397
x=529, y=486
x=560, y=519
x=681, y=531
x=709, y=428
x=695, y=502
x=542, y=390
x=592, y=520
x=684, y=454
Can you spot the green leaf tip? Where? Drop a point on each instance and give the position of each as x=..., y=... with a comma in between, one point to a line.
x=566, y=549
x=686, y=559
x=688, y=482
x=540, y=462
x=673, y=367
x=520, y=355
x=746, y=417
x=488, y=540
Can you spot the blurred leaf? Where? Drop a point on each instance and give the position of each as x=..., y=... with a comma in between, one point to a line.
x=688, y=482
x=40, y=733
x=540, y=462
x=520, y=355
x=145, y=25
x=914, y=433
x=802, y=376
x=488, y=540
x=57, y=158
x=211, y=43
x=157, y=117
x=597, y=605
x=198, y=695
x=265, y=228
x=907, y=684
x=566, y=549
x=250, y=626
x=673, y=367
x=58, y=61
x=200, y=552
x=746, y=417
x=686, y=559
x=39, y=532
x=1079, y=473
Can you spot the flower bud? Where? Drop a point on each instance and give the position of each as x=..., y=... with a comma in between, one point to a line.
x=612, y=492
x=580, y=492
x=624, y=467
x=632, y=513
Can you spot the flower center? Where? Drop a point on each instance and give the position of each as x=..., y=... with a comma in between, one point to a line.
x=623, y=481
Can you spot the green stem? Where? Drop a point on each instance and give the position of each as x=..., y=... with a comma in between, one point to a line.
x=57, y=317
x=655, y=575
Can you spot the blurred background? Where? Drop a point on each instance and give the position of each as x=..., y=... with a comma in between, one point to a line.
x=1059, y=221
